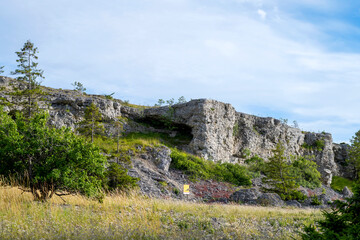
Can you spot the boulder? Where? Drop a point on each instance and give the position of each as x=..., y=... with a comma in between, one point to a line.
x=293, y=203
x=161, y=157
x=246, y=196
x=270, y=199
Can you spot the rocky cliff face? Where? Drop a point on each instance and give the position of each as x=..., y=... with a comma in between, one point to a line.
x=222, y=134
x=215, y=130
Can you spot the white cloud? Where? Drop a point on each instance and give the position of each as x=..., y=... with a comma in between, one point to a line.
x=261, y=13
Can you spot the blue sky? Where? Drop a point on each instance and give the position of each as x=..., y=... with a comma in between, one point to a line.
x=295, y=60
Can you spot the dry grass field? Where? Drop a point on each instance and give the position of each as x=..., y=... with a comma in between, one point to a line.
x=137, y=217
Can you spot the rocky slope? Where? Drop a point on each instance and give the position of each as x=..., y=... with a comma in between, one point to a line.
x=211, y=129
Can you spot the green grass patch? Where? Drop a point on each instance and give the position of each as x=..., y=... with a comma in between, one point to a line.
x=338, y=183
x=198, y=168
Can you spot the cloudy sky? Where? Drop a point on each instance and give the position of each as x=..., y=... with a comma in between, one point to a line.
x=296, y=60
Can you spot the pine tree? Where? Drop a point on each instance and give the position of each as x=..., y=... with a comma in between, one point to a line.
x=92, y=122
x=27, y=69
x=342, y=223
x=278, y=173
x=1, y=69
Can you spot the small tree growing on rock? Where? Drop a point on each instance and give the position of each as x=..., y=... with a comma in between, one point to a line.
x=278, y=173
x=78, y=86
x=1, y=69
x=92, y=122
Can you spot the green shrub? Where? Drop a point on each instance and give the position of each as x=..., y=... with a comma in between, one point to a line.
x=117, y=178
x=199, y=168
x=293, y=195
x=315, y=201
x=338, y=183
x=305, y=173
x=53, y=160
x=232, y=173
x=176, y=191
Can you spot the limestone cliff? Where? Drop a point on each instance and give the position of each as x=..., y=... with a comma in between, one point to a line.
x=215, y=130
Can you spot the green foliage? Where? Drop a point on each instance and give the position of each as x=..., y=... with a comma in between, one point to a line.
x=354, y=152
x=53, y=159
x=279, y=173
x=338, y=183
x=236, y=130
x=317, y=145
x=199, y=168
x=181, y=100
x=305, y=172
x=118, y=179
x=256, y=165
x=170, y=102
x=27, y=69
x=129, y=144
x=78, y=86
x=176, y=191
x=343, y=222
x=160, y=103
x=109, y=96
x=315, y=201
x=91, y=124
x=293, y=195
x=1, y=69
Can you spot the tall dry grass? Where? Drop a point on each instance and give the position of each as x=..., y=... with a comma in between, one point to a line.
x=134, y=216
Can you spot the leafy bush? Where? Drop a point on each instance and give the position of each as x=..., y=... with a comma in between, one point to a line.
x=232, y=173
x=338, y=183
x=293, y=195
x=305, y=172
x=52, y=159
x=117, y=178
x=199, y=168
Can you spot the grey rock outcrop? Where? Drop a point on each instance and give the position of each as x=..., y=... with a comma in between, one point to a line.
x=270, y=199
x=215, y=131
x=293, y=203
x=246, y=196
x=253, y=196
x=161, y=157
x=219, y=133
x=341, y=156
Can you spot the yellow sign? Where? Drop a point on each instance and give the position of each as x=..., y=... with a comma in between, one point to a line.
x=186, y=189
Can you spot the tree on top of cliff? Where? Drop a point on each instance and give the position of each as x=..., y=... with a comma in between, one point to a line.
x=28, y=71
x=1, y=69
